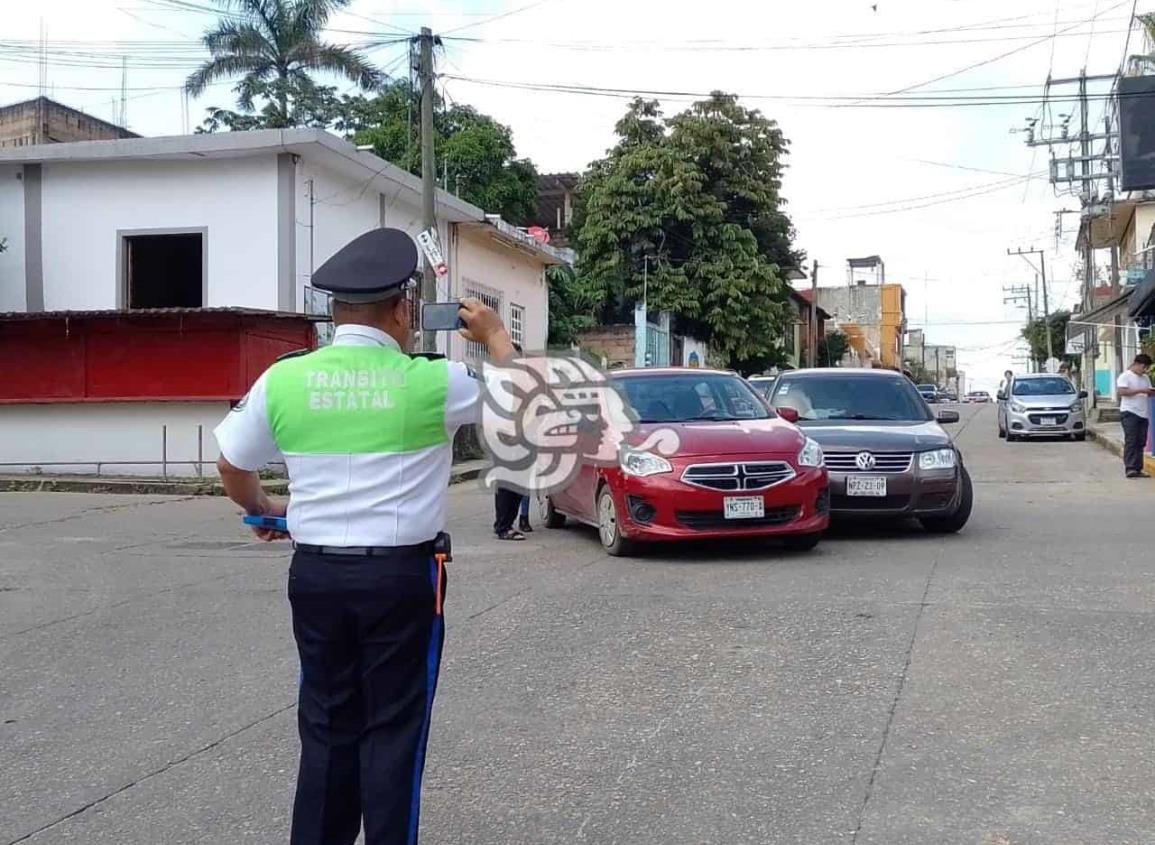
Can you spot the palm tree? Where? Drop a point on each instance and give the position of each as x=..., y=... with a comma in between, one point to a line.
x=1141, y=63
x=273, y=45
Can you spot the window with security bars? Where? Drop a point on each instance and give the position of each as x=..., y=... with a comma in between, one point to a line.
x=490, y=297
x=517, y=323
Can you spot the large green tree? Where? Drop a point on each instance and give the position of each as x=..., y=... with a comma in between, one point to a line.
x=474, y=154
x=687, y=213
x=274, y=47
x=1035, y=333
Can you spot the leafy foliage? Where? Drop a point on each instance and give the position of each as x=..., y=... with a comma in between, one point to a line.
x=474, y=153
x=571, y=306
x=831, y=349
x=309, y=105
x=1035, y=334
x=686, y=213
x=918, y=371
x=274, y=46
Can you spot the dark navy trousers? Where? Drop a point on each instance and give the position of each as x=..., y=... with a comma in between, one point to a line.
x=369, y=633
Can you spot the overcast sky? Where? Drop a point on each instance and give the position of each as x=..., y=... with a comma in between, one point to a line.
x=933, y=190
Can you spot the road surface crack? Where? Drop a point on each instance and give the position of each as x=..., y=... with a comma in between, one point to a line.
x=894, y=703
x=90, y=511
x=166, y=767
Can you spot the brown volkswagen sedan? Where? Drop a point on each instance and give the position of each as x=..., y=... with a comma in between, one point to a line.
x=887, y=454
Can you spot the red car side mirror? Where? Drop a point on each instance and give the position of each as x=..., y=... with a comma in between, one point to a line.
x=788, y=414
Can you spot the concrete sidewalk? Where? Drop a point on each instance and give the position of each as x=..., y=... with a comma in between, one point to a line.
x=1110, y=436
x=463, y=471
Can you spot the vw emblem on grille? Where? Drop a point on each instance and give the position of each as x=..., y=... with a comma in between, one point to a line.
x=864, y=460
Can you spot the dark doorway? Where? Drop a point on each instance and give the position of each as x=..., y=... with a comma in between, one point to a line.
x=164, y=271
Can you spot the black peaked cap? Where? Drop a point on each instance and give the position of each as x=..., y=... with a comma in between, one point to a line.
x=371, y=267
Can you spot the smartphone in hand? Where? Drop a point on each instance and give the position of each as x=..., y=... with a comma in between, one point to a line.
x=441, y=317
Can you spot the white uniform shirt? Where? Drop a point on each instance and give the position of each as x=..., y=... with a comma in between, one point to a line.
x=1137, y=405
x=356, y=499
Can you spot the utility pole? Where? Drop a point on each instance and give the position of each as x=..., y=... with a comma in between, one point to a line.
x=425, y=74
x=1016, y=294
x=812, y=329
x=1085, y=197
x=1042, y=271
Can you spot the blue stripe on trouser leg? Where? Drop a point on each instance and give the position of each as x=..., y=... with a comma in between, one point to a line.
x=432, y=665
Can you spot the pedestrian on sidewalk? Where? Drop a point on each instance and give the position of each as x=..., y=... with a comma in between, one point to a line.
x=1135, y=392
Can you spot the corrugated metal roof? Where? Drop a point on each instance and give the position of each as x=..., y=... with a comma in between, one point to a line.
x=10, y=316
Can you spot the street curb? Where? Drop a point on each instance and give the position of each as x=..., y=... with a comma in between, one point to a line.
x=1104, y=441
x=1117, y=448
x=149, y=487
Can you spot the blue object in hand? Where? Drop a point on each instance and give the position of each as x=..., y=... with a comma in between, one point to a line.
x=277, y=523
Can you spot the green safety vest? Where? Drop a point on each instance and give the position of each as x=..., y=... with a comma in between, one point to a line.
x=353, y=399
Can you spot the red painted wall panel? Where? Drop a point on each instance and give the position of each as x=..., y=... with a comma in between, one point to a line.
x=198, y=355
x=41, y=359
x=151, y=363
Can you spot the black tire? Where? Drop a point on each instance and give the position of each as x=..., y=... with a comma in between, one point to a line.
x=802, y=542
x=954, y=522
x=550, y=518
x=1080, y=437
x=1002, y=432
x=609, y=532
x=1011, y=437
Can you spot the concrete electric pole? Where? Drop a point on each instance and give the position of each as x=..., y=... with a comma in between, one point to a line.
x=1016, y=294
x=425, y=75
x=1042, y=271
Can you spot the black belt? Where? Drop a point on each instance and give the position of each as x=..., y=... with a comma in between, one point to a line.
x=439, y=545
x=363, y=551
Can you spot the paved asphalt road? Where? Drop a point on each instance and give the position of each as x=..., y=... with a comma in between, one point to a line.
x=994, y=688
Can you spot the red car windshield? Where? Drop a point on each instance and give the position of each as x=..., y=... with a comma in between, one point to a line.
x=692, y=396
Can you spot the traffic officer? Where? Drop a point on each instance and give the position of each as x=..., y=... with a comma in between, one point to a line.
x=366, y=433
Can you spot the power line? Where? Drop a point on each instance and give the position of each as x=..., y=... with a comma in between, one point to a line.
x=495, y=18
x=720, y=46
x=929, y=100
x=1007, y=54
x=937, y=195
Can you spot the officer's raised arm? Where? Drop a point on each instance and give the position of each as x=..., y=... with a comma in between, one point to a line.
x=483, y=325
x=463, y=397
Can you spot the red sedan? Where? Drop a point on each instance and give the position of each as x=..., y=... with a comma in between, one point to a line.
x=739, y=471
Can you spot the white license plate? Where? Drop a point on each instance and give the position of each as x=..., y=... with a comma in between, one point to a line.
x=865, y=485
x=743, y=507
x=1048, y=421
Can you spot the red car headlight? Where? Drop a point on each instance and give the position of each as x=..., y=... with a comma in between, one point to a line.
x=643, y=464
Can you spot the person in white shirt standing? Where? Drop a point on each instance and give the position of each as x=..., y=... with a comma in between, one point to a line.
x=1135, y=392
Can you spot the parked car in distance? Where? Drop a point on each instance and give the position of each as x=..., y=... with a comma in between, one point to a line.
x=886, y=452
x=979, y=396
x=740, y=469
x=763, y=385
x=1042, y=405
x=929, y=392
x=949, y=396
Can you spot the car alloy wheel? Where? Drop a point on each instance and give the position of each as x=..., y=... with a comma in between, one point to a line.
x=609, y=532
